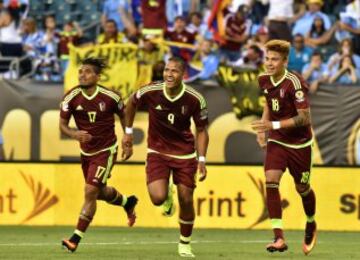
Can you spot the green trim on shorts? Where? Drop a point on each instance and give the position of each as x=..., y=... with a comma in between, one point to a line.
x=293, y=146
x=109, y=164
x=114, y=146
x=186, y=156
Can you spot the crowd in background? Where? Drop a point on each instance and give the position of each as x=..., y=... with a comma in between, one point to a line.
x=325, y=35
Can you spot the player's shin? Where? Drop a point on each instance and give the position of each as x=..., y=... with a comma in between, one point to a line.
x=274, y=207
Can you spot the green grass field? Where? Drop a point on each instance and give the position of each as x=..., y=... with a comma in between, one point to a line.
x=146, y=243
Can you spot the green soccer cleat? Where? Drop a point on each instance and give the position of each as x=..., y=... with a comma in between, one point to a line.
x=168, y=205
x=185, y=250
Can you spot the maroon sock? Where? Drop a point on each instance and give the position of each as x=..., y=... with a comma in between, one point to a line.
x=82, y=225
x=117, y=198
x=186, y=227
x=309, y=202
x=274, y=205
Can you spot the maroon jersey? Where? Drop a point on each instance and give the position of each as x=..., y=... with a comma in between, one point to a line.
x=169, y=118
x=235, y=27
x=283, y=99
x=154, y=14
x=95, y=115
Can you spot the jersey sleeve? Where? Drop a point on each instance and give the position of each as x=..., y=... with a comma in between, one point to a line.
x=299, y=93
x=120, y=107
x=262, y=81
x=138, y=98
x=65, y=109
x=200, y=115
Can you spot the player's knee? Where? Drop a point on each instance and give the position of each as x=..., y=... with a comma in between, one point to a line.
x=273, y=176
x=157, y=199
x=91, y=192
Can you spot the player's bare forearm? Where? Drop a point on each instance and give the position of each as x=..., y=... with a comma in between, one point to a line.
x=303, y=118
x=65, y=129
x=265, y=114
x=130, y=112
x=202, y=141
x=80, y=135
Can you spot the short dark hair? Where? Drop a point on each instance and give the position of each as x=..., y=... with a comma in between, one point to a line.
x=179, y=61
x=98, y=63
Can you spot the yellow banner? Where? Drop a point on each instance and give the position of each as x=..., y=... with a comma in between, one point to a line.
x=231, y=197
x=121, y=73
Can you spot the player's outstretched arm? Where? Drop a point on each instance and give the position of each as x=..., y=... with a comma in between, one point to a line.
x=80, y=135
x=202, y=142
x=127, y=141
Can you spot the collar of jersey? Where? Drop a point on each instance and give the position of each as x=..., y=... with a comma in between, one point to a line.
x=92, y=96
x=275, y=84
x=176, y=97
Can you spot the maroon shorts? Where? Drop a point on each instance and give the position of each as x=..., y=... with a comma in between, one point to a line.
x=160, y=166
x=97, y=168
x=298, y=161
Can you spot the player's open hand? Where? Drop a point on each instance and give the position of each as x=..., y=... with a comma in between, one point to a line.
x=261, y=126
x=127, y=146
x=82, y=136
x=261, y=139
x=202, y=171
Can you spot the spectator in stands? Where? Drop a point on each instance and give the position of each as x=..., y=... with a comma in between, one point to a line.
x=2, y=153
x=207, y=59
x=237, y=30
x=111, y=34
x=158, y=71
x=352, y=11
x=47, y=66
x=279, y=15
x=345, y=48
x=18, y=8
x=149, y=52
x=120, y=12
x=259, y=39
x=347, y=72
x=136, y=12
x=303, y=25
x=175, y=8
x=252, y=58
x=315, y=72
x=197, y=26
x=299, y=54
x=10, y=39
x=318, y=35
x=70, y=34
x=180, y=34
x=31, y=38
x=154, y=16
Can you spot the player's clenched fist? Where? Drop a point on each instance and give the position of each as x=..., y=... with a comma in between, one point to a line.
x=82, y=136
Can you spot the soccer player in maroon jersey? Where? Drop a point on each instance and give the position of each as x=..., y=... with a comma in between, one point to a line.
x=172, y=148
x=286, y=119
x=93, y=108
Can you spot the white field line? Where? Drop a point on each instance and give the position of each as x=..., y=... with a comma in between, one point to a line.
x=36, y=244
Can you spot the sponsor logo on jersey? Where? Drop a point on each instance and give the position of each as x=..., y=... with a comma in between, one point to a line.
x=79, y=107
x=265, y=91
x=158, y=107
x=102, y=106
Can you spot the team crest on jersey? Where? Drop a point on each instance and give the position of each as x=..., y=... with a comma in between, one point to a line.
x=102, y=106
x=282, y=93
x=299, y=96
